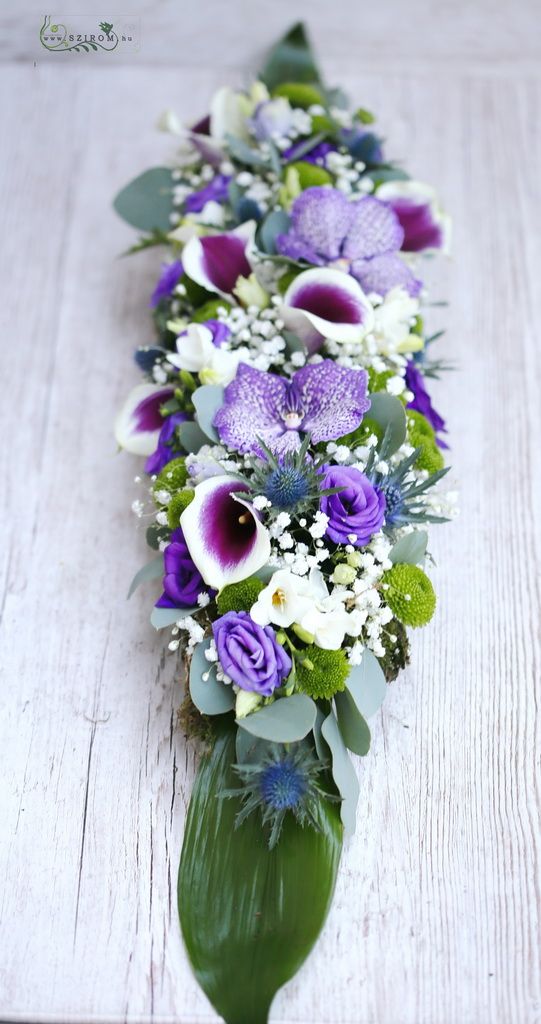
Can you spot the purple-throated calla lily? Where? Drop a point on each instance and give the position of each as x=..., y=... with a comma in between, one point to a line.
x=138, y=424
x=225, y=538
x=217, y=261
x=425, y=224
x=326, y=303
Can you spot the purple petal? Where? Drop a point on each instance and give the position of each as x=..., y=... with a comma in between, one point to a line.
x=169, y=278
x=334, y=399
x=298, y=249
x=252, y=408
x=146, y=415
x=224, y=260
x=374, y=229
x=316, y=155
x=321, y=217
x=215, y=191
x=328, y=302
x=422, y=402
x=382, y=273
x=229, y=530
x=421, y=231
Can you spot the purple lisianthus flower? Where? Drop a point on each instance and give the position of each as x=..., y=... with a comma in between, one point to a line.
x=415, y=382
x=167, y=448
x=220, y=332
x=182, y=582
x=169, y=278
x=361, y=237
x=357, y=511
x=324, y=400
x=250, y=654
x=215, y=191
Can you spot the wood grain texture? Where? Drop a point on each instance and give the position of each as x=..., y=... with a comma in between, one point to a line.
x=436, y=915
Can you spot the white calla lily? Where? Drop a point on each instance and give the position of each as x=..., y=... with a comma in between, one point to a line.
x=139, y=421
x=326, y=303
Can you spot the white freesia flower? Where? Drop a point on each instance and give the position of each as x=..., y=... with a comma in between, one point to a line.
x=197, y=353
x=327, y=619
x=283, y=601
x=393, y=320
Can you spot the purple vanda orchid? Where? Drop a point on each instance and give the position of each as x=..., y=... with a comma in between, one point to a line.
x=139, y=422
x=217, y=261
x=224, y=535
x=324, y=400
x=325, y=303
x=361, y=237
x=426, y=227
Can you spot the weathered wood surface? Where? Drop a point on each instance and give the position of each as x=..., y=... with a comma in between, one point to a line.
x=436, y=916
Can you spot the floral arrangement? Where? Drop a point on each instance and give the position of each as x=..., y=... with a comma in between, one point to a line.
x=293, y=463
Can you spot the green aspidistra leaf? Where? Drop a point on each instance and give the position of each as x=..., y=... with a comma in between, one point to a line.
x=250, y=915
x=291, y=60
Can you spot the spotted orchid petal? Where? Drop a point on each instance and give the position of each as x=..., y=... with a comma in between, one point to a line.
x=138, y=424
x=217, y=261
x=225, y=538
x=326, y=303
x=426, y=226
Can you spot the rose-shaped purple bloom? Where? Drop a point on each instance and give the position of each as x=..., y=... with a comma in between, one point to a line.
x=168, y=447
x=182, y=582
x=358, y=509
x=169, y=278
x=250, y=654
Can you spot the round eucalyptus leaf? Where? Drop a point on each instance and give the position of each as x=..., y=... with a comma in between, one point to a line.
x=163, y=617
x=343, y=773
x=390, y=415
x=411, y=549
x=192, y=437
x=207, y=400
x=210, y=696
x=353, y=725
x=287, y=720
x=275, y=223
x=151, y=571
x=367, y=685
x=147, y=202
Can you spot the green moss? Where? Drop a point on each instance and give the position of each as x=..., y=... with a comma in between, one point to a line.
x=239, y=597
x=310, y=174
x=418, y=425
x=328, y=674
x=397, y=651
x=176, y=507
x=378, y=381
x=172, y=477
x=430, y=458
x=409, y=594
x=299, y=94
x=209, y=311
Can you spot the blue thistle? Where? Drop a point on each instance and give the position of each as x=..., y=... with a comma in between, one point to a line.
x=283, y=781
x=287, y=485
x=404, y=496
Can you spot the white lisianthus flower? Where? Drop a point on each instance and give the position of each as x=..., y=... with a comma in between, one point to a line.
x=327, y=619
x=283, y=601
x=197, y=353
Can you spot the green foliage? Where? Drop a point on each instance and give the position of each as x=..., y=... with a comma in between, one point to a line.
x=321, y=673
x=172, y=477
x=147, y=202
x=310, y=174
x=209, y=310
x=250, y=915
x=378, y=381
x=239, y=597
x=421, y=435
x=363, y=116
x=291, y=60
x=195, y=294
x=409, y=594
x=360, y=436
x=397, y=652
x=299, y=94
x=176, y=507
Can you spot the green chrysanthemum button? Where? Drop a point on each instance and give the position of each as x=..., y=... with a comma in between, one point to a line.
x=409, y=594
x=323, y=673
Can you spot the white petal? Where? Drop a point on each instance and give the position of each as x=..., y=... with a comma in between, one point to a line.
x=305, y=322
x=194, y=349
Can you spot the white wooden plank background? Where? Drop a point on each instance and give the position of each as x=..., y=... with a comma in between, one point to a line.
x=436, y=916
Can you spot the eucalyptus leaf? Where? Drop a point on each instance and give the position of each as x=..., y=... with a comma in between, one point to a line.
x=367, y=685
x=192, y=437
x=210, y=696
x=353, y=726
x=322, y=749
x=383, y=174
x=163, y=617
x=291, y=60
x=389, y=413
x=242, y=152
x=248, y=747
x=343, y=773
x=287, y=720
x=410, y=549
x=151, y=571
x=275, y=223
x=207, y=400
x=250, y=915
x=147, y=202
